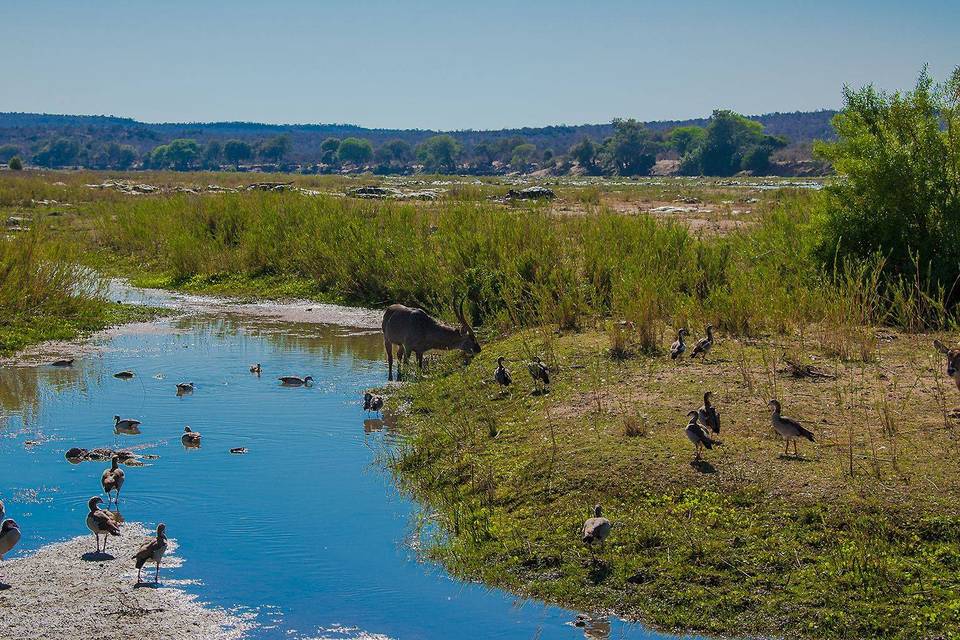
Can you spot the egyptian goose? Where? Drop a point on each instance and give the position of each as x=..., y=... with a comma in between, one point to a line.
x=372, y=402
x=539, y=372
x=112, y=478
x=597, y=528
x=502, y=375
x=100, y=522
x=698, y=435
x=152, y=551
x=294, y=381
x=679, y=346
x=190, y=438
x=704, y=345
x=708, y=414
x=184, y=388
x=9, y=536
x=791, y=430
x=255, y=368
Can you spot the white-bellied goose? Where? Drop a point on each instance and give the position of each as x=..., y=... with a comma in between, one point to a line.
x=372, y=402
x=190, y=438
x=708, y=414
x=791, y=430
x=704, y=345
x=9, y=536
x=539, y=372
x=124, y=375
x=698, y=435
x=112, y=479
x=597, y=528
x=101, y=522
x=128, y=425
x=502, y=375
x=678, y=346
x=152, y=550
x=184, y=388
x=255, y=368
x=295, y=381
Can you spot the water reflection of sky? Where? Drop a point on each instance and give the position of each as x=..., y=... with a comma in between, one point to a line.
x=304, y=529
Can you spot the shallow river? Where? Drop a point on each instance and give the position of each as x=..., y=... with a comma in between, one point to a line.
x=306, y=532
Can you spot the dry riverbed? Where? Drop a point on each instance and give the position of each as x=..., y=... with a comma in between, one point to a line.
x=66, y=590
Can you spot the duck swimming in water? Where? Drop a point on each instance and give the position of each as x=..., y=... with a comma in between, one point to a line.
x=190, y=438
x=295, y=381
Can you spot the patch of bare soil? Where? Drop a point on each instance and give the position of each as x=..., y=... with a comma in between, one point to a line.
x=67, y=591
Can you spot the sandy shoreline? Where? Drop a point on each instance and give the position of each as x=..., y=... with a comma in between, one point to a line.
x=64, y=590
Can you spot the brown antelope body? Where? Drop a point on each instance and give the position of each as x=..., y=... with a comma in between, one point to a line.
x=415, y=331
x=953, y=361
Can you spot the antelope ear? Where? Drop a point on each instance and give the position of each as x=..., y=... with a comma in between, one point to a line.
x=942, y=348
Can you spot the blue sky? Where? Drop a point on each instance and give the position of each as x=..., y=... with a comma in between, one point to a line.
x=452, y=65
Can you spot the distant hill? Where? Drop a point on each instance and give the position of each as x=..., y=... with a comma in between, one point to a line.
x=29, y=132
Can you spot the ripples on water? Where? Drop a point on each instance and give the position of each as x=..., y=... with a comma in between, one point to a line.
x=304, y=531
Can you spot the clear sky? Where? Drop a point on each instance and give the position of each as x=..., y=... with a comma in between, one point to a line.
x=454, y=65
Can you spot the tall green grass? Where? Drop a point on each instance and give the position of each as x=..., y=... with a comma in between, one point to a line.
x=517, y=267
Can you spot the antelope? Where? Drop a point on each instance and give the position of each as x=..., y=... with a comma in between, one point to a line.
x=415, y=331
x=953, y=361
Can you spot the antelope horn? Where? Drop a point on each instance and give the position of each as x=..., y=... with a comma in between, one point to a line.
x=461, y=317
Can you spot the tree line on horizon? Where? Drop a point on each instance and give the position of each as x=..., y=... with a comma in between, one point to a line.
x=727, y=144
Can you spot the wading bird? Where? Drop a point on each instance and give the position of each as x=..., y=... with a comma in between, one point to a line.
x=152, y=551
x=708, y=414
x=679, y=346
x=704, y=345
x=372, y=402
x=112, y=479
x=101, y=522
x=596, y=529
x=953, y=361
x=791, y=430
x=415, y=331
x=190, y=438
x=124, y=375
x=698, y=435
x=502, y=375
x=539, y=372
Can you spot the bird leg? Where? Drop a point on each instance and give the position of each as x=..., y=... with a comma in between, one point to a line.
x=139, y=572
x=786, y=449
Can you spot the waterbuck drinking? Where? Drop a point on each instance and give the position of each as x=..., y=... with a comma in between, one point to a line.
x=415, y=331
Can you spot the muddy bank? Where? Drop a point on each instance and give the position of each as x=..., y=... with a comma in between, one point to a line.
x=65, y=590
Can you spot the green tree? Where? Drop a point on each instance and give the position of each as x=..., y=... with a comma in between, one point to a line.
x=631, y=150
x=237, y=151
x=182, y=154
x=15, y=163
x=439, y=154
x=585, y=153
x=61, y=152
x=356, y=151
x=212, y=153
x=274, y=149
x=683, y=140
x=393, y=153
x=157, y=158
x=328, y=151
x=522, y=156
x=731, y=143
x=899, y=157
x=7, y=152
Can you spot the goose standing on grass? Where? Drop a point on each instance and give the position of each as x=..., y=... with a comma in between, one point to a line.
x=372, y=402
x=152, y=551
x=708, y=414
x=255, y=368
x=596, y=529
x=704, y=345
x=679, y=346
x=9, y=536
x=539, y=372
x=502, y=375
x=101, y=522
x=112, y=479
x=791, y=430
x=698, y=435
x=184, y=388
x=295, y=381
x=190, y=438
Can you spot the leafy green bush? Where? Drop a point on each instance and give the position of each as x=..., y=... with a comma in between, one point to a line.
x=898, y=156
